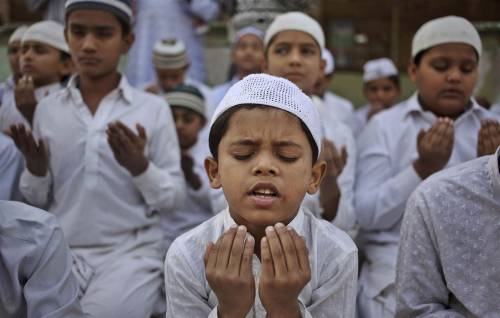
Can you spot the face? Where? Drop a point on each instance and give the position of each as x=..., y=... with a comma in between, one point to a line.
x=264, y=167
x=14, y=53
x=96, y=42
x=43, y=63
x=381, y=91
x=296, y=56
x=445, y=78
x=168, y=79
x=188, y=124
x=248, y=54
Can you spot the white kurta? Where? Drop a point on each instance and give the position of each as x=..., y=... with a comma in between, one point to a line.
x=35, y=265
x=341, y=107
x=7, y=91
x=109, y=217
x=11, y=166
x=495, y=108
x=448, y=258
x=330, y=293
x=384, y=181
x=360, y=119
x=10, y=115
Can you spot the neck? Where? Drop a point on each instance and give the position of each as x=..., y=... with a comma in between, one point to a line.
x=452, y=116
x=93, y=90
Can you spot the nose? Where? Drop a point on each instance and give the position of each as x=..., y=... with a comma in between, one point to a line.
x=264, y=165
x=454, y=75
x=89, y=44
x=295, y=58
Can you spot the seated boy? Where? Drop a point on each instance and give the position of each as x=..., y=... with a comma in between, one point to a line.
x=380, y=87
x=264, y=255
x=435, y=128
x=448, y=254
x=293, y=44
x=35, y=270
x=44, y=62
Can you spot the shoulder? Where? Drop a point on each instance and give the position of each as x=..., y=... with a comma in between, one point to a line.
x=339, y=100
x=146, y=99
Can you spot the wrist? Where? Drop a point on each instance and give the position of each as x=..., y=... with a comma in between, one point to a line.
x=36, y=169
x=223, y=312
x=422, y=169
x=139, y=168
x=291, y=311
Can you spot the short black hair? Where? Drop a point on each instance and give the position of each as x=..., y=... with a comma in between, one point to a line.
x=221, y=125
x=125, y=25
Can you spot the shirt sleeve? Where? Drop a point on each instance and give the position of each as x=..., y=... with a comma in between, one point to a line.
x=51, y=290
x=207, y=10
x=162, y=183
x=420, y=286
x=380, y=193
x=11, y=166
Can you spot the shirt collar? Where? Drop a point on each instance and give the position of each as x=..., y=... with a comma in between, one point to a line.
x=43, y=91
x=296, y=223
x=124, y=89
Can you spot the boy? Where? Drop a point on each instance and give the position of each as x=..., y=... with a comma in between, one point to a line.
x=13, y=52
x=293, y=46
x=106, y=161
x=36, y=275
x=44, y=62
x=188, y=109
x=448, y=251
x=247, y=55
x=338, y=105
x=265, y=139
x=435, y=128
x=380, y=87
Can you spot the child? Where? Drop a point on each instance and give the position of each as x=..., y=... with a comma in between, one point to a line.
x=13, y=52
x=36, y=275
x=188, y=109
x=106, y=161
x=247, y=55
x=435, y=128
x=338, y=105
x=448, y=251
x=380, y=87
x=265, y=139
x=293, y=44
x=44, y=62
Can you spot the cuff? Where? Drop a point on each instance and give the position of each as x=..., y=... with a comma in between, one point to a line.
x=407, y=181
x=303, y=310
x=147, y=181
x=29, y=179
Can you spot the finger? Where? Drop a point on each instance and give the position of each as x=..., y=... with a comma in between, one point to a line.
x=142, y=132
x=126, y=131
x=448, y=135
x=225, y=244
x=277, y=254
x=237, y=249
x=302, y=252
x=292, y=263
x=246, y=262
x=211, y=256
x=267, y=266
x=344, y=156
x=208, y=250
x=114, y=145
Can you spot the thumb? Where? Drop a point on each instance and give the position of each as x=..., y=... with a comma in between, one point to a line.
x=421, y=135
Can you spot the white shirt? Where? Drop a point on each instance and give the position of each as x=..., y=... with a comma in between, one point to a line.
x=341, y=135
x=35, y=272
x=449, y=255
x=331, y=292
x=361, y=119
x=10, y=115
x=341, y=107
x=495, y=108
x=7, y=91
x=96, y=200
x=11, y=166
x=385, y=175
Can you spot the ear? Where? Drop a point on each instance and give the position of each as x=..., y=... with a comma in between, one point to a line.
x=412, y=71
x=128, y=40
x=212, y=169
x=317, y=174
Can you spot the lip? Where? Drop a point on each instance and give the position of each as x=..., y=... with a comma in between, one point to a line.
x=27, y=68
x=263, y=201
x=89, y=60
x=293, y=75
x=453, y=93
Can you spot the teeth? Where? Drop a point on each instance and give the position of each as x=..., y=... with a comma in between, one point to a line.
x=264, y=192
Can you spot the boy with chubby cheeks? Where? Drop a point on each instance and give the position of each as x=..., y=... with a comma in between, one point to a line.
x=264, y=256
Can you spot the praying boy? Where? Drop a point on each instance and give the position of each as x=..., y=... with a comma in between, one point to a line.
x=104, y=157
x=263, y=256
x=439, y=126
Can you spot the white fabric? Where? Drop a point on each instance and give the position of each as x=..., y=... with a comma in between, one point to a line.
x=332, y=256
x=448, y=258
x=385, y=178
x=7, y=91
x=10, y=115
x=449, y=29
x=361, y=119
x=341, y=135
x=120, y=5
x=296, y=21
x=330, y=61
x=97, y=200
x=11, y=166
x=47, y=32
x=169, y=47
x=268, y=90
x=17, y=35
x=495, y=108
x=378, y=68
x=249, y=30
x=35, y=266
x=340, y=107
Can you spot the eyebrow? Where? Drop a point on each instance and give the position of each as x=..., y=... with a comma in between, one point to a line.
x=92, y=27
x=279, y=144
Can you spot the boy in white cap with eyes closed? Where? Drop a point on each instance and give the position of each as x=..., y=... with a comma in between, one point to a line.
x=293, y=47
x=264, y=256
x=439, y=126
x=381, y=88
x=45, y=62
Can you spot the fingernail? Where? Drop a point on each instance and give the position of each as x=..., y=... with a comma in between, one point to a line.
x=242, y=228
x=279, y=225
x=269, y=229
x=250, y=239
x=289, y=228
x=233, y=226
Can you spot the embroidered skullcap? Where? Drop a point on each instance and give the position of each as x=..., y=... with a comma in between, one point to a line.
x=170, y=54
x=122, y=9
x=187, y=96
x=272, y=91
x=17, y=35
x=47, y=32
x=378, y=68
x=249, y=30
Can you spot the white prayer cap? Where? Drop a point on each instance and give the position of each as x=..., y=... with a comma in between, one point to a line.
x=122, y=9
x=378, y=68
x=47, y=32
x=17, y=35
x=330, y=61
x=272, y=91
x=170, y=54
x=450, y=29
x=187, y=96
x=296, y=21
x=249, y=30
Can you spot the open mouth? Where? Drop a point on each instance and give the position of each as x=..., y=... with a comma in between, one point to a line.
x=264, y=193
x=264, y=190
